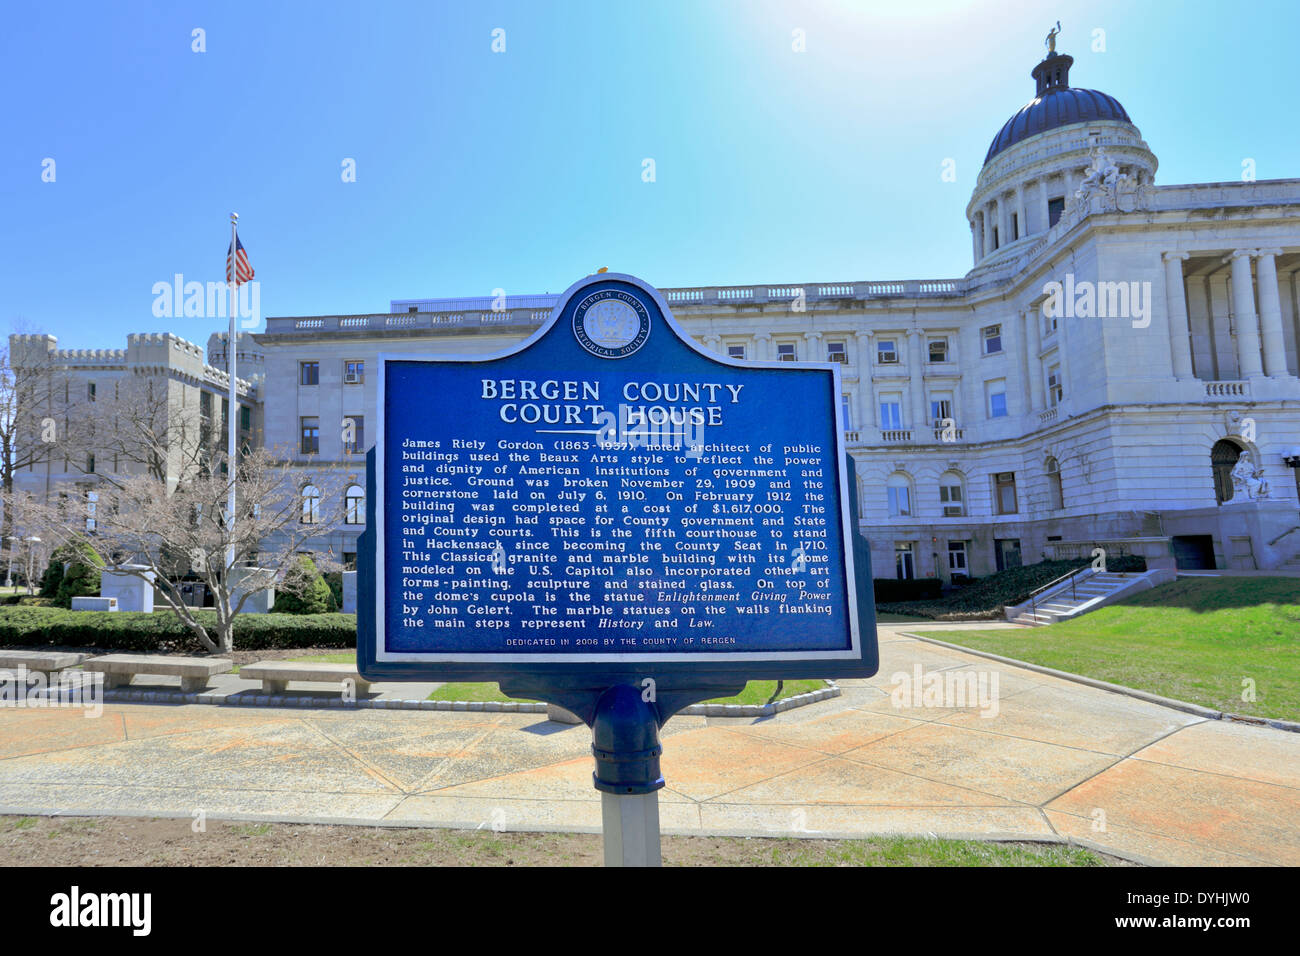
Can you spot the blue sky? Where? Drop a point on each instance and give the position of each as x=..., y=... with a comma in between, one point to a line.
x=522, y=170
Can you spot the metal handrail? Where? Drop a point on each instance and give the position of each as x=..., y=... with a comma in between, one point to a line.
x=1074, y=596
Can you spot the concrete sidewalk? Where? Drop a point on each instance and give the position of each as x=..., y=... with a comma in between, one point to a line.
x=1057, y=760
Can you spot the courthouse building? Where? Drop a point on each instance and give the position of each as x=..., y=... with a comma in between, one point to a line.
x=1117, y=369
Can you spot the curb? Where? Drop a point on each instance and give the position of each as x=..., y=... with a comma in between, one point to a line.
x=1196, y=709
x=140, y=696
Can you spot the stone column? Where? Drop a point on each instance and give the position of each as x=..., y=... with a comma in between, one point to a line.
x=1004, y=221
x=974, y=241
x=916, y=369
x=1180, y=346
x=762, y=347
x=815, y=353
x=988, y=228
x=1021, y=222
x=1032, y=345
x=1243, y=305
x=1270, y=314
x=1047, y=215
x=1071, y=184
x=866, y=394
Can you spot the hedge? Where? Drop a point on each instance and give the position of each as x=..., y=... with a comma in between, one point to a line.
x=142, y=632
x=986, y=598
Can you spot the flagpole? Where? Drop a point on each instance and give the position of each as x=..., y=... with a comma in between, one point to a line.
x=233, y=410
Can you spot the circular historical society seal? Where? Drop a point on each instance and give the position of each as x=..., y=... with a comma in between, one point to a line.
x=611, y=323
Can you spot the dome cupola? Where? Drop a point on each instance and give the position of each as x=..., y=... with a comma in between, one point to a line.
x=1042, y=156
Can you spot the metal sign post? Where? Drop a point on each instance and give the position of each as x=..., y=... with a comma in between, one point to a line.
x=610, y=519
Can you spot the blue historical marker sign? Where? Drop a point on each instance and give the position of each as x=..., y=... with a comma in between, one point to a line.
x=606, y=499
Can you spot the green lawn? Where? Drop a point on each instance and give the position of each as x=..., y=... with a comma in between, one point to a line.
x=339, y=657
x=755, y=692
x=1197, y=640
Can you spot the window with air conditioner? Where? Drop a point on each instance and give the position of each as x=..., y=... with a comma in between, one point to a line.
x=354, y=373
x=938, y=351
x=785, y=352
x=950, y=497
x=887, y=352
x=735, y=351
x=1054, y=390
x=940, y=409
x=836, y=352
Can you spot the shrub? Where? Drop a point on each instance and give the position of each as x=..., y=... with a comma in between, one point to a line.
x=986, y=598
x=52, y=578
x=81, y=579
x=305, y=591
x=148, y=633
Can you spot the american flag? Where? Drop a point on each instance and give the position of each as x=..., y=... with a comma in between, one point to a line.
x=243, y=269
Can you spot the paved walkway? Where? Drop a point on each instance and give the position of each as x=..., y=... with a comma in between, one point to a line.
x=1057, y=759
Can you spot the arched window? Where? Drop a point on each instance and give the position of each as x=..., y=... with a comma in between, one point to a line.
x=1223, y=456
x=354, y=505
x=952, y=496
x=1055, y=494
x=310, y=504
x=899, y=491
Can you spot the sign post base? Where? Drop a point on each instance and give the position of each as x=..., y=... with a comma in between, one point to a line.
x=631, y=828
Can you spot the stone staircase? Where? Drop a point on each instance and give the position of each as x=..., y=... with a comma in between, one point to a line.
x=1086, y=591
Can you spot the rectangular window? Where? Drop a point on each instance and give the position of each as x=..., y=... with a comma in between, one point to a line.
x=92, y=503
x=354, y=373
x=736, y=351
x=993, y=340
x=940, y=408
x=205, y=404
x=354, y=435
x=835, y=352
x=309, y=429
x=887, y=352
x=1015, y=225
x=90, y=464
x=900, y=501
x=1054, y=391
x=904, y=561
x=785, y=352
x=1054, y=209
x=957, y=558
x=995, y=237
x=891, y=412
x=245, y=418
x=309, y=373
x=90, y=392
x=1004, y=493
x=938, y=350
x=997, y=392
x=950, y=498
x=846, y=411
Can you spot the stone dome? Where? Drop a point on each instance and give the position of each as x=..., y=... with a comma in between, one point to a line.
x=1057, y=104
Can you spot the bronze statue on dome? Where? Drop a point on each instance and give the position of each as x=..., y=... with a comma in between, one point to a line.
x=1051, y=38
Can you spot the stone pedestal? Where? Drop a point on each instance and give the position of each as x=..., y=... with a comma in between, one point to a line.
x=261, y=602
x=133, y=593
x=349, y=592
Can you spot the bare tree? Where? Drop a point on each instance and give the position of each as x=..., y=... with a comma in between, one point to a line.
x=143, y=527
x=41, y=420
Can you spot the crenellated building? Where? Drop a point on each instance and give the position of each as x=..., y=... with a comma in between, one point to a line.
x=159, y=377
